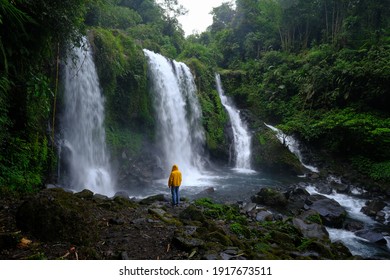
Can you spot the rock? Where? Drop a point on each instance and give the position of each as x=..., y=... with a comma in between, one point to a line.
x=270, y=197
x=188, y=243
x=116, y=221
x=371, y=236
x=264, y=215
x=296, y=199
x=340, y=188
x=313, y=175
x=100, y=197
x=153, y=199
x=124, y=256
x=85, y=194
x=331, y=212
x=56, y=215
x=311, y=230
x=380, y=216
x=354, y=226
x=249, y=207
x=373, y=207
x=122, y=194
x=192, y=213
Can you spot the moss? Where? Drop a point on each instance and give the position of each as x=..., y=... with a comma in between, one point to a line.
x=240, y=230
x=219, y=237
x=315, y=218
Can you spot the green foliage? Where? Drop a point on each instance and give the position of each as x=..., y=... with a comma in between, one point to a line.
x=25, y=166
x=240, y=230
x=121, y=68
x=124, y=139
x=379, y=171
x=109, y=15
x=226, y=212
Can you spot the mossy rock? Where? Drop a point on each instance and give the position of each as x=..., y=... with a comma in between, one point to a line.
x=270, y=197
x=192, y=213
x=219, y=237
x=56, y=215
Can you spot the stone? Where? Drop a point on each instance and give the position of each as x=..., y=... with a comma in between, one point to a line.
x=371, y=236
x=270, y=197
x=373, y=207
x=56, y=215
x=311, y=230
x=331, y=212
x=264, y=215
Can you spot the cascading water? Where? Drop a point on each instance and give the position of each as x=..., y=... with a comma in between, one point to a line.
x=292, y=145
x=83, y=135
x=178, y=111
x=242, y=139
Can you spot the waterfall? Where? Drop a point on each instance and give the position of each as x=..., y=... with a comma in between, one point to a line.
x=241, y=137
x=292, y=145
x=83, y=135
x=180, y=133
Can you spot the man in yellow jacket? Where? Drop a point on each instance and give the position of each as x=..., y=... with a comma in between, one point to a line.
x=174, y=183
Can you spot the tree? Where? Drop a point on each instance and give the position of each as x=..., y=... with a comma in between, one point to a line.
x=172, y=10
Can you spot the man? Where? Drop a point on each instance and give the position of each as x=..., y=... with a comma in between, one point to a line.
x=174, y=183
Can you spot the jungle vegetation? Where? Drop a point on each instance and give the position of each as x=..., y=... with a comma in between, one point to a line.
x=317, y=69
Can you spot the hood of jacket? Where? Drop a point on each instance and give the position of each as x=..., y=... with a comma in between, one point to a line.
x=175, y=167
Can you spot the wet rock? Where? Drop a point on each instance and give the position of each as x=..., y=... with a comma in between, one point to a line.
x=297, y=197
x=340, y=188
x=192, y=213
x=249, y=207
x=311, y=230
x=153, y=199
x=84, y=194
x=122, y=194
x=331, y=212
x=264, y=215
x=354, y=226
x=371, y=236
x=206, y=192
x=380, y=216
x=270, y=197
x=373, y=207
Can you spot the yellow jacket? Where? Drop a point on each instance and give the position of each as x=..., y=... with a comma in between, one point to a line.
x=175, y=177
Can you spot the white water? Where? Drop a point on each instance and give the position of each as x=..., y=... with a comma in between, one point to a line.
x=242, y=138
x=292, y=145
x=353, y=205
x=180, y=133
x=82, y=125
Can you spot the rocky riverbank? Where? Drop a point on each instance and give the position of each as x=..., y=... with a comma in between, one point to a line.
x=55, y=224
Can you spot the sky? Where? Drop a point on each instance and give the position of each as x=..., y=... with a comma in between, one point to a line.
x=198, y=17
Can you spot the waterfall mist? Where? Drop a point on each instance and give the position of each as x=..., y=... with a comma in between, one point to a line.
x=180, y=134
x=241, y=137
x=83, y=143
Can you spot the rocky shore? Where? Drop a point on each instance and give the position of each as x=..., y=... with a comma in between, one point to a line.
x=55, y=224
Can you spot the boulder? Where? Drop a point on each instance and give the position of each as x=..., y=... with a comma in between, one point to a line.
x=331, y=212
x=296, y=197
x=264, y=215
x=373, y=207
x=56, y=215
x=371, y=236
x=270, y=197
x=311, y=230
